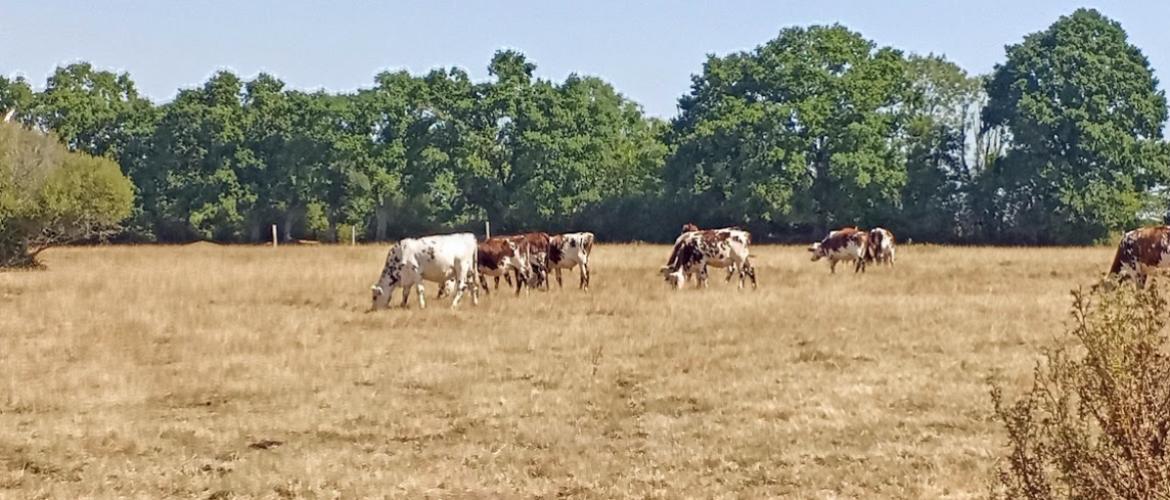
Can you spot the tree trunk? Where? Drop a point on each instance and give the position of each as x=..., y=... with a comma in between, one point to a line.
x=381, y=219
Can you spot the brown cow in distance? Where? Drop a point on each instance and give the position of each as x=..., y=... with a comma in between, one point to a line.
x=535, y=247
x=499, y=257
x=847, y=243
x=1140, y=251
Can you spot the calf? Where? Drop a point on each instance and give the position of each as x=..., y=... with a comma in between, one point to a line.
x=847, y=243
x=1140, y=251
x=881, y=246
x=695, y=250
x=431, y=258
x=568, y=250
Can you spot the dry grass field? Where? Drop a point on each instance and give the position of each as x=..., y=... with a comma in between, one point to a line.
x=235, y=372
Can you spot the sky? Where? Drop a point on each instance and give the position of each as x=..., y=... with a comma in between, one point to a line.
x=647, y=49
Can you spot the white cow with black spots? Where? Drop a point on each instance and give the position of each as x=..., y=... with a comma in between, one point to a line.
x=430, y=258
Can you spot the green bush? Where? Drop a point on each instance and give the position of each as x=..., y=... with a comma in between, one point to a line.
x=49, y=196
x=1094, y=424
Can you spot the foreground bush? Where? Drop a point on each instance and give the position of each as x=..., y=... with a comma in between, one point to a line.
x=49, y=196
x=1095, y=422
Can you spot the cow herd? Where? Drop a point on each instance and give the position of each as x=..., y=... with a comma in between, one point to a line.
x=459, y=263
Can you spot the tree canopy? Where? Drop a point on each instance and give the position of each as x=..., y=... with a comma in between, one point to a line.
x=816, y=128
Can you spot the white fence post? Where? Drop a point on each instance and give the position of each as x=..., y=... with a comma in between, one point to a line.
x=274, y=236
x=353, y=236
x=487, y=230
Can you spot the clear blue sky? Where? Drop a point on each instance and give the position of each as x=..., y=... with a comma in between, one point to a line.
x=647, y=49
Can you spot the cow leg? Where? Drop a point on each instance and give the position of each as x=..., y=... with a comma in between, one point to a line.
x=703, y=275
x=859, y=265
x=483, y=281
x=832, y=266
x=560, y=284
x=751, y=273
x=405, y=295
x=519, y=282
x=585, y=275
x=731, y=271
x=471, y=277
x=422, y=302
x=506, y=278
x=462, y=285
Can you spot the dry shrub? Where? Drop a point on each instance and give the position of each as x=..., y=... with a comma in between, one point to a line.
x=1095, y=421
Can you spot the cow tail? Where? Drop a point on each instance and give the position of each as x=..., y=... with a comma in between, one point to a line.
x=1121, y=248
x=674, y=255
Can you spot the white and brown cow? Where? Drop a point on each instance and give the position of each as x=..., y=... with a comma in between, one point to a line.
x=431, y=258
x=1140, y=251
x=695, y=250
x=501, y=257
x=566, y=251
x=848, y=243
x=881, y=246
x=535, y=247
x=690, y=230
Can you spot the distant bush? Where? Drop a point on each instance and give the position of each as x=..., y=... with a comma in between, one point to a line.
x=1094, y=424
x=49, y=196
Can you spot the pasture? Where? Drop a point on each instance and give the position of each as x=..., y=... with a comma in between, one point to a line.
x=225, y=372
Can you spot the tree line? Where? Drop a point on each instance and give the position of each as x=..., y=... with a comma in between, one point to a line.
x=816, y=128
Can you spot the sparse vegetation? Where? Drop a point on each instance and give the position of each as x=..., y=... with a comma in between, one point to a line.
x=1095, y=423
x=229, y=372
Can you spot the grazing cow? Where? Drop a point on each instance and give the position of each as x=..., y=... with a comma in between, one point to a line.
x=431, y=258
x=691, y=230
x=694, y=251
x=881, y=246
x=1140, y=251
x=568, y=250
x=497, y=257
x=535, y=247
x=847, y=243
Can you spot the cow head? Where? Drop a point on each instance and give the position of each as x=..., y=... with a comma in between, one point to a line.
x=391, y=276
x=817, y=251
x=674, y=276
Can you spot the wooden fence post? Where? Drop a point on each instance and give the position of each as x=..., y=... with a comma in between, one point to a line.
x=274, y=236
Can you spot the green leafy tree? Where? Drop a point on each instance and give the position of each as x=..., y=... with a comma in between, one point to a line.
x=799, y=131
x=942, y=154
x=200, y=150
x=49, y=196
x=1085, y=118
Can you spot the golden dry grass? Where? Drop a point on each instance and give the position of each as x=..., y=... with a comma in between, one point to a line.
x=223, y=372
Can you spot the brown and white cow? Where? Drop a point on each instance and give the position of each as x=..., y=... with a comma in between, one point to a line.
x=569, y=250
x=535, y=247
x=695, y=250
x=847, y=243
x=881, y=246
x=735, y=232
x=1140, y=251
x=500, y=257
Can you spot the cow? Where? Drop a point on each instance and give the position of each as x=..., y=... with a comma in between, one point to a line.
x=1140, y=251
x=881, y=246
x=431, y=258
x=498, y=257
x=569, y=250
x=689, y=230
x=847, y=243
x=694, y=251
x=535, y=247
